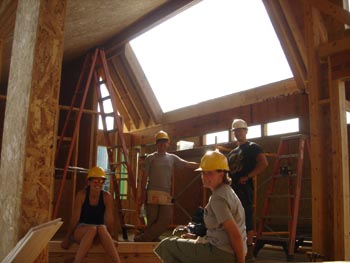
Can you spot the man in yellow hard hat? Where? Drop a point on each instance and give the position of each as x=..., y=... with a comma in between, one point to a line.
x=246, y=161
x=158, y=169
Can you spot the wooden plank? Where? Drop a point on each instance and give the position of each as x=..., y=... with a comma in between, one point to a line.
x=143, y=86
x=243, y=98
x=340, y=160
x=31, y=245
x=336, y=12
x=320, y=219
x=128, y=78
x=124, y=97
x=334, y=47
x=129, y=252
x=1, y=52
x=288, y=41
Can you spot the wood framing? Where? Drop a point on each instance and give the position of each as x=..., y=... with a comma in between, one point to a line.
x=340, y=171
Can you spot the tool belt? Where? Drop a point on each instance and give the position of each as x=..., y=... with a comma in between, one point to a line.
x=158, y=197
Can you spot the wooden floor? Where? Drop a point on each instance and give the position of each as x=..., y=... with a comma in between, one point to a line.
x=135, y=252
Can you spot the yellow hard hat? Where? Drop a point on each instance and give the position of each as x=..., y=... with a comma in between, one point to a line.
x=162, y=135
x=212, y=161
x=239, y=124
x=96, y=171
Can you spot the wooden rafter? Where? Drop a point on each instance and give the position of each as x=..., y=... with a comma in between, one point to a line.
x=288, y=41
x=333, y=47
x=124, y=95
x=143, y=87
x=130, y=84
x=336, y=12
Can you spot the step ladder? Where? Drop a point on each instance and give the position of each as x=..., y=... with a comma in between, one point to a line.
x=94, y=74
x=288, y=168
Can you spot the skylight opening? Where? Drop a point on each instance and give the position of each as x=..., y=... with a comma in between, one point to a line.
x=212, y=49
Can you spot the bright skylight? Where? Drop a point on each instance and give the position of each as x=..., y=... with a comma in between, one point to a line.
x=212, y=49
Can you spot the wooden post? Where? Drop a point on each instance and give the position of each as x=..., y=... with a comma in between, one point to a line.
x=1, y=50
x=340, y=174
x=322, y=230
x=29, y=138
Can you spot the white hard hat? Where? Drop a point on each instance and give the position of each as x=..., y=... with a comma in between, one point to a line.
x=239, y=124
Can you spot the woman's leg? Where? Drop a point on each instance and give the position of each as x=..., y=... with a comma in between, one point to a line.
x=84, y=235
x=174, y=249
x=108, y=243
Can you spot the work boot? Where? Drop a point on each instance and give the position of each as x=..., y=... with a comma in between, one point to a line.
x=249, y=258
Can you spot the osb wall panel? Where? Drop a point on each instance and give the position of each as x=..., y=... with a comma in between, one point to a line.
x=29, y=137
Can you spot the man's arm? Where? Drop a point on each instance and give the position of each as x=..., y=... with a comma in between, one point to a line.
x=192, y=165
x=261, y=165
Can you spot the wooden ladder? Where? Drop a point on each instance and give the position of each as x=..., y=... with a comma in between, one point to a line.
x=287, y=167
x=117, y=154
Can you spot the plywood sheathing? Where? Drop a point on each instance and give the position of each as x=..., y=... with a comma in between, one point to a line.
x=30, y=119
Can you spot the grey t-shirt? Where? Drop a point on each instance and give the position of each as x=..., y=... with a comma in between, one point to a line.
x=223, y=205
x=160, y=168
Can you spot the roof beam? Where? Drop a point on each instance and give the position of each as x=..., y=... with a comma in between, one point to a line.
x=285, y=87
x=333, y=10
x=334, y=47
x=143, y=86
x=292, y=44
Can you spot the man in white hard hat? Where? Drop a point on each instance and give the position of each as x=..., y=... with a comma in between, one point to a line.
x=246, y=161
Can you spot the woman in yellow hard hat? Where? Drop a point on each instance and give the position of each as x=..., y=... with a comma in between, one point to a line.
x=92, y=218
x=225, y=240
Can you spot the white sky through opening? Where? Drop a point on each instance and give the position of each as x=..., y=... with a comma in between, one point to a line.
x=215, y=48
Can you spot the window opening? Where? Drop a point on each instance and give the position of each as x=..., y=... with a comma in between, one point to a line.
x=216, y=137
x=102, y=160
x=107, y=106
x=184, y=145
x=282, y=127
x=254, y=131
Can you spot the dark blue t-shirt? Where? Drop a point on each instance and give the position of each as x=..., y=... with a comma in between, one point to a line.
x=242, y=160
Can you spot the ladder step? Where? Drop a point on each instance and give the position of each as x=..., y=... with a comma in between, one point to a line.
x=274, y=239
x=280, y=196
x=117, y=163
x=128, y=210
x=276, y=217
x=286, y=156
x=65, y=139
x=277, y=176
x=112, y=131
x=117, y=146
x=293, y=137
x=129, y=226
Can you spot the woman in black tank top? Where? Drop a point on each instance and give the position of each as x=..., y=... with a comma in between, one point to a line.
x=92, y=218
